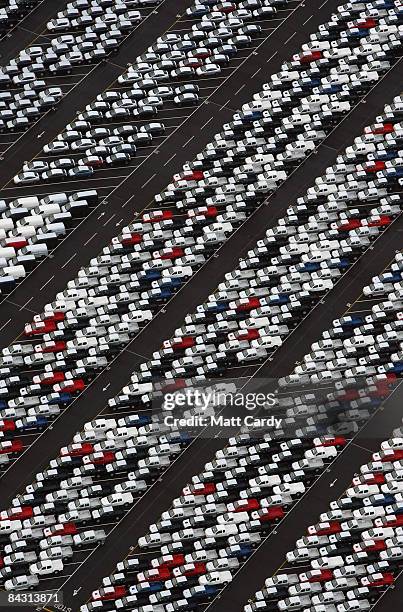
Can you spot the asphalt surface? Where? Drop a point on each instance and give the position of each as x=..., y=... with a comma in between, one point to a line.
x=109, y=382
x=185, y=143
x=269, y=557
x=88, y=239
x=28, y=29
x=154, y=24
x=330, y=485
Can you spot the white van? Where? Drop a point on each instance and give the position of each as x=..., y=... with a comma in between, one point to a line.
x=15, y=271
x=28, y=202
x=54, y=198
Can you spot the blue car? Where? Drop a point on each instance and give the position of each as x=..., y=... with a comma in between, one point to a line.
x=217, y=307
x=281, y=298
x=31, y=423
x=240, y=551
x=149, y=275
x=397, y=368
x=173, y=283
x=352, y=321
x=386, y=155
x=308, y=267
x=201, y=592
x=182, y=438
x=59, y=398
x=161, y=294
x=342, y=264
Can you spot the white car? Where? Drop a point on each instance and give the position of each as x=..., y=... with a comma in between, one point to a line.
x=21, y=583
x=26, y=178
x=47, y=566
x=216, y=578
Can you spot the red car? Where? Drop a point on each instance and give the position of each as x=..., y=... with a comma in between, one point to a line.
x=349, y=225
x=100, y=458
x=244, y=505
x=365, y=24
x=180, y=383
x=182, y=343
x=373, y=478
x=201, y=488
x=380, y=221
x=77, y=450
x=155, y=216
x=327, y=528
x=17, y=514
x=190, y=569
x=60, y=529
x=309, y=56
x=51, y=347
x=173, y=253
x=72, y=386
x=225, y=8
x=51, y=378
x=374, y=546
x=39, y=328
x=130, y=239
x=381, y=128
x=156, y=574
x=330, y=441
x=169, y=561
x=201, y=53
x=274, y=513
x=7, y=425
x=11, y=446
x=16, y=243
x=247, y=334
x=317, y=576
x=249, y=304
x=394, y=520
x=189, y=175
x=349, y=395
x=378, y=580
x=211, y=212
x=374, y=166
x=57, y=315
x=108, y=593
x=392, y=455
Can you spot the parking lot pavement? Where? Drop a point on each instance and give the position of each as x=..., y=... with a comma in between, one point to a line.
x=29, y=30
x=81, y=87
x=265, y=562
x=95, y=231
x=330, y=483
x=88, y=238
x=205, y=122
x=245, y=64
x=87, y=572
x=163, y=325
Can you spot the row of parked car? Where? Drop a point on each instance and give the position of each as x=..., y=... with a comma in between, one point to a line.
x=13, y=11
x=148, y=86
x=200, y=52
x=68, y=503
x=360, y=345
x=102, y=24
x=221, y=516
x=254, y=153
x=138, y=447
x=252, y=311
x=354, y=550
